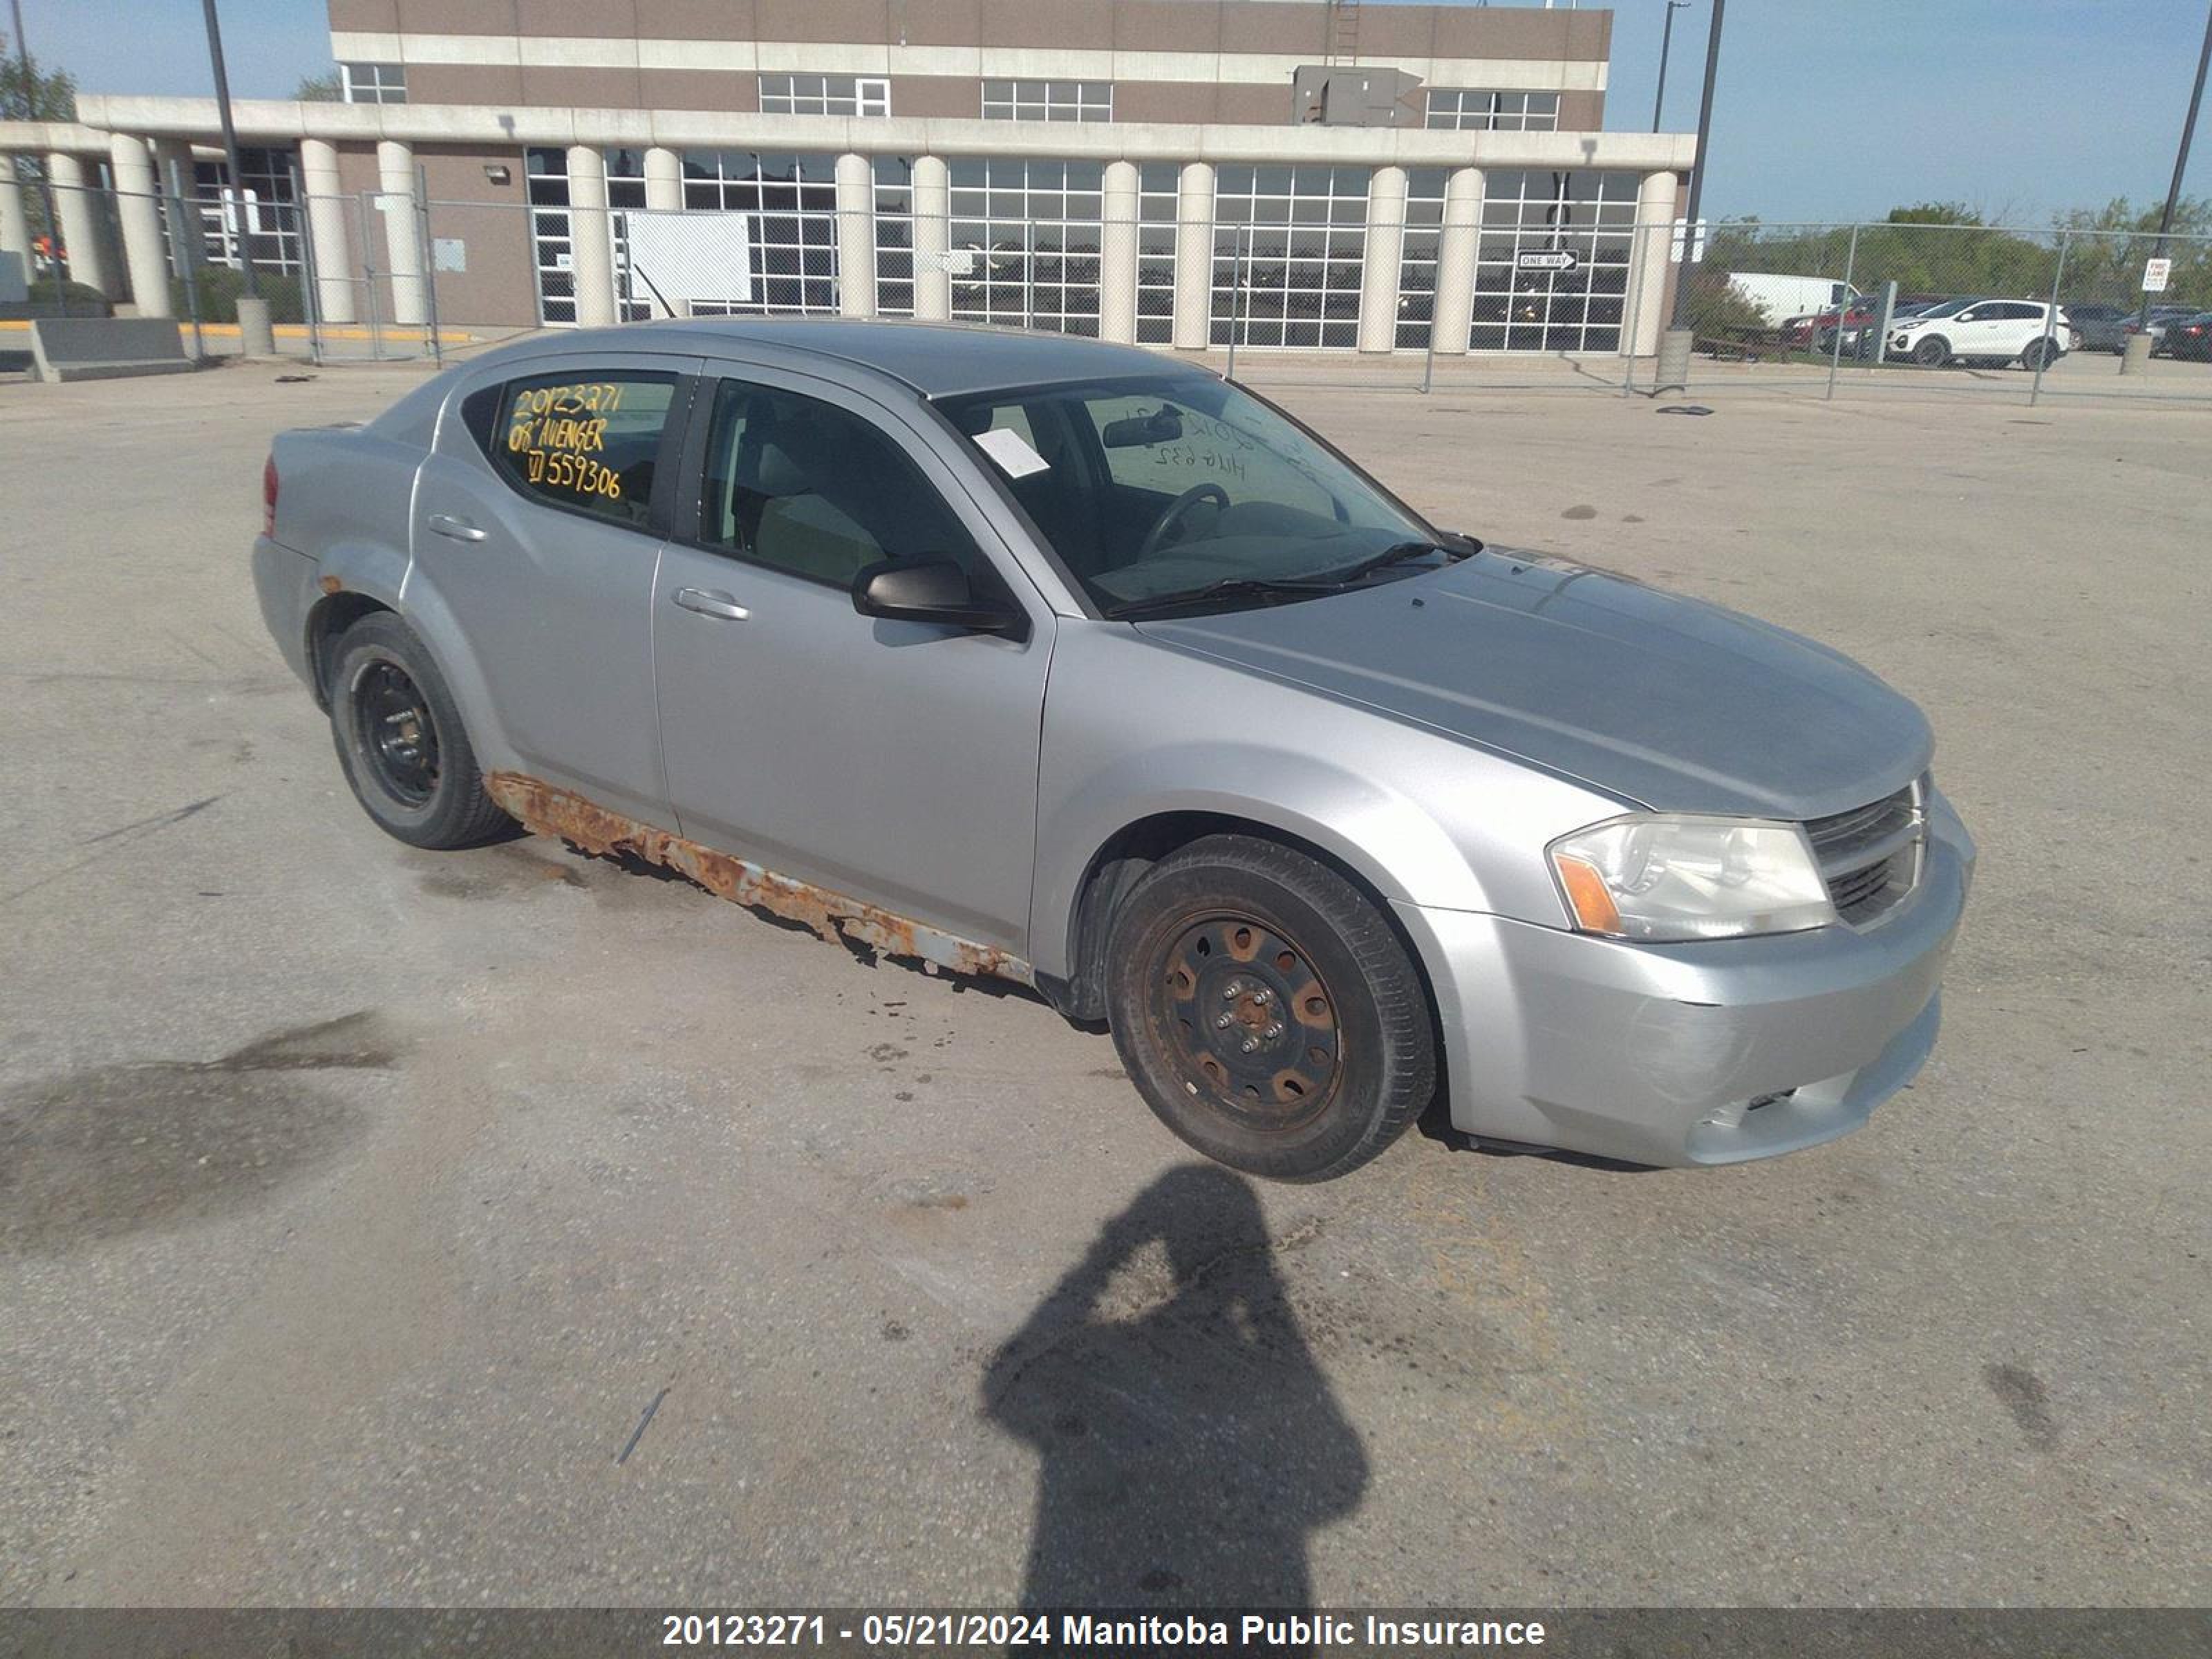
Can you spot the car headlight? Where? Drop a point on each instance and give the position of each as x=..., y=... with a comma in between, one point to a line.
x=1677, y=878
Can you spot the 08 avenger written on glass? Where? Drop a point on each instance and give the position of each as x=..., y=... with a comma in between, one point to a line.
x=557, y=437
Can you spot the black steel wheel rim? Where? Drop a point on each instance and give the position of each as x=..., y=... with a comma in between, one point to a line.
x=392, y=718
x=1248, y=1026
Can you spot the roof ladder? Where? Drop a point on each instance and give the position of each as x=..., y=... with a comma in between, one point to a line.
x=1343, y=31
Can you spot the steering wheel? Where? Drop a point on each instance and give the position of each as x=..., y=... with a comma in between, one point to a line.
x=1158, y=534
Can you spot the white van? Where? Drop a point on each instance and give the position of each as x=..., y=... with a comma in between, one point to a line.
x=1779, y=298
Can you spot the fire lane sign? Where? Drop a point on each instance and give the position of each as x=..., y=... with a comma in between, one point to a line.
x=2156, y=274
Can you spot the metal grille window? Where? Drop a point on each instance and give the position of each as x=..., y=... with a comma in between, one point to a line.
x=373, y=83
x=1288, y=245
x=1159, y=198
x=1048, y=100
x=793, y=200
x=545, y=178
x=626, y=188
x=894, y=232
x=1469, y=109
x=1025, y=236
x=825, y=94
x=261, y=211
x=1552, y=266
x=1417, y=258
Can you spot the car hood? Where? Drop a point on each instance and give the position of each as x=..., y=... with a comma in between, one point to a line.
x=1666, y=702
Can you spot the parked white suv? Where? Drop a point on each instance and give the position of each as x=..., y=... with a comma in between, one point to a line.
x=2029, y=332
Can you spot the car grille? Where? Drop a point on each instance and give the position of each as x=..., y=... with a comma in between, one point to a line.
x=1870, y=856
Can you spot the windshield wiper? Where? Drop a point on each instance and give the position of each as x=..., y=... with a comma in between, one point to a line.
x=1400, y=553
x=1229, y=587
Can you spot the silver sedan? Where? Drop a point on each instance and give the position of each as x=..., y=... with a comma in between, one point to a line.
x=1068, y=663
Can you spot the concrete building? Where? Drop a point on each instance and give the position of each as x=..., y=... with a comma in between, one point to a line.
x=1298, y=174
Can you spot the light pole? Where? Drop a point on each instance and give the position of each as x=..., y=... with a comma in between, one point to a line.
x=1666, y=44
x=255, y=337
x=1674, y=368
x=60, y=254
x=2173, y=195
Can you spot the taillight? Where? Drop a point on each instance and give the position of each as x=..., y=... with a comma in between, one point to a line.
x=268, y=494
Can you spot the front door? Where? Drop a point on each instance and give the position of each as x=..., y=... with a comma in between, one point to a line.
x=891, y=761
x=538, y=527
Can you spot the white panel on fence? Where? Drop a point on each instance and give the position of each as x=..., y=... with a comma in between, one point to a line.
x=677, y=257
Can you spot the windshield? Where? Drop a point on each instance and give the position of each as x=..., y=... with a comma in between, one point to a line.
x=1158, y=487
x=1948, y=308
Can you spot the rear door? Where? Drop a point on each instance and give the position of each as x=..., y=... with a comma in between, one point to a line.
x=538, y=528
x=892, y=761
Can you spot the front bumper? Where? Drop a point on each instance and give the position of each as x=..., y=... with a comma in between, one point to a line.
x=1710, y=1053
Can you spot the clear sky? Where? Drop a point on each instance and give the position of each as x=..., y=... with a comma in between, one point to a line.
x=1839, y=109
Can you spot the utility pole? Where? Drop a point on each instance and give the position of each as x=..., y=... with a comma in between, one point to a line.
x=1675, y=345
x=2180, y=166
x=59, y=254
x=1666, y=45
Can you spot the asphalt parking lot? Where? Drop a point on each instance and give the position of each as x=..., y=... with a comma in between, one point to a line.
x=359, y=1204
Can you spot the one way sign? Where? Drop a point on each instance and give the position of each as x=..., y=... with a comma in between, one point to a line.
x=1546, y=259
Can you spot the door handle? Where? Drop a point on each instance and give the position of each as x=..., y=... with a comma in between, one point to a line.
x=459, y=529
x=709, y=602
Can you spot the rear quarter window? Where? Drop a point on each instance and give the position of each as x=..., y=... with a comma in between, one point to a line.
x=587, y=442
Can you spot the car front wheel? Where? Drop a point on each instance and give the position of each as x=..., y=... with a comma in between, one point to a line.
x=1932, y=354
x=1267, y=1011
x=400, y=738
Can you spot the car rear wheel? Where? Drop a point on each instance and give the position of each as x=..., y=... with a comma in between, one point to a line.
x=1932, y=353
x=2040, y=354
x=400, y=741
x=1267, y=1011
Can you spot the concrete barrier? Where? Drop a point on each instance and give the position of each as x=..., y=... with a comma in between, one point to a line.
x=106, y=348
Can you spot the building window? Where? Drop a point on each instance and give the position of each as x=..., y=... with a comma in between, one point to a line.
x=545, y=178
x=894, y=232
x=1289, y=243
x=373, y=83
x=1471, y=110
x=1591, y=216
x=1024, y=242
x=792, y=203
x=261, y=212
x=1159, y=198
x=1048, y=100
x=634, y=300
x=1417, y=258
x=825, y=94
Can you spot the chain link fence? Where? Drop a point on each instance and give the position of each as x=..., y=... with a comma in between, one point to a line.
x=1325, y=288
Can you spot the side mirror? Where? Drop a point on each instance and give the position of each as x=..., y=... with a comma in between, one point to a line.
x=933, y=590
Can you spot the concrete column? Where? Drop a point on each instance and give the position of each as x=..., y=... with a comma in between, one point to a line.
x=1379, y=264
x=1118, y=256
x=856, y=237
x=591, y=251
x=1458, y=242
x=14, y=224
x=138, y=212
x=933, y=233
x=1193, y=289
x=663, y=180
x=327, y=218
x=402, y=242
x=1650, y=262
x=78, y=206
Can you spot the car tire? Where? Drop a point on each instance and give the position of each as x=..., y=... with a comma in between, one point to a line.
x=400, y=740
x=1932, y=353
x=1233, y=941
x=2040, y=354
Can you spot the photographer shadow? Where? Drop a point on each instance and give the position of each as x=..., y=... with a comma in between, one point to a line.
x=1189, y=1442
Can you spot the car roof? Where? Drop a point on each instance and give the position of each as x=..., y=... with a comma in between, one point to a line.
x=935, y=360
